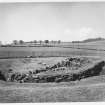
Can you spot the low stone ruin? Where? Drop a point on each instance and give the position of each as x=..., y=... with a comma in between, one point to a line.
x=70, y=69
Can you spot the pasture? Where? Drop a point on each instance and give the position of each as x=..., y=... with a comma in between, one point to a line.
x=22, y=52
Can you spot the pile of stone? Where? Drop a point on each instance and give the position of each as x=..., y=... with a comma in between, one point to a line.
x=71, y=63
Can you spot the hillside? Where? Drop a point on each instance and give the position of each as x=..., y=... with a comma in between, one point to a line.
x=94, y=39
x=90, y=40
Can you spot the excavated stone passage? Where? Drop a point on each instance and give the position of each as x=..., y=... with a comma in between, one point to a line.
x=70, y=69
x=72, y=76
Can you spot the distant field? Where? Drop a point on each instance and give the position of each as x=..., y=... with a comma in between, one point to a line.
x=96, y=48
x=46, y=52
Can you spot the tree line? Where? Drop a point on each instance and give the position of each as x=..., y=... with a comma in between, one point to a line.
x=34, y=42
x=20, y=42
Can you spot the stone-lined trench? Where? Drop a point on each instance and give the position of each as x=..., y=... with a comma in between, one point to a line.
x=70, y=69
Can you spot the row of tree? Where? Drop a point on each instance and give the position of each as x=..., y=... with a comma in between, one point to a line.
x=16, y=42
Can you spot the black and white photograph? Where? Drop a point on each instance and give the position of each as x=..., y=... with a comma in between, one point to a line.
x=52, y=52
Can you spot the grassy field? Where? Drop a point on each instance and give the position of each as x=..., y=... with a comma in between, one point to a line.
x=27, y=64
x=95, y=48
x=46, y=52
x=85, y=90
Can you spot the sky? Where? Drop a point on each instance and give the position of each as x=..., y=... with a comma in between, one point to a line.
x=66, y=21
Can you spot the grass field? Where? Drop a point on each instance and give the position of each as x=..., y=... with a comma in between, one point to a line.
x=27, y=64
x=13, y=52
x=85, y=90
x=95, y=48
x=92, y=89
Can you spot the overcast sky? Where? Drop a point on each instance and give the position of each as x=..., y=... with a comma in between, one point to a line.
x=52, y=21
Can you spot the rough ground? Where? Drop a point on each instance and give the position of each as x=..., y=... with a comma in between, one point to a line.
x=51, y=69
x=85, y=90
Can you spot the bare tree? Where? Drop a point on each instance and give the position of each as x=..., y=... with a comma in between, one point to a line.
x=21, y=42
x=35, y=41
x=59, y=41
x=15, y=42
x=0, y=43
x=40, y=41
x=46, y=41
